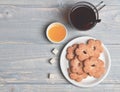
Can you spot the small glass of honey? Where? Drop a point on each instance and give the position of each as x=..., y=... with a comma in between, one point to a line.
x=56, y=32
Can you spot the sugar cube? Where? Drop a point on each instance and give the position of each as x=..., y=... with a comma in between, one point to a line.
x=52, y=60
x=51, y=76
x=55, y=51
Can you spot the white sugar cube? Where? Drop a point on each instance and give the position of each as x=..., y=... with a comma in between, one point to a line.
x=51, y=76
x=55, y=51
x=52, y=60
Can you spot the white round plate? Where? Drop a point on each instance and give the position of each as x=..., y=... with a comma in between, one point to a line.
x=89, y=81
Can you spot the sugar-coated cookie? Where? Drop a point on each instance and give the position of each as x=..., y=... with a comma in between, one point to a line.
x=71, y=51
x=76, y=66
x=95, y=47
x=94, y=67
x=82, y=52
x=84, y=60
x=78, y=77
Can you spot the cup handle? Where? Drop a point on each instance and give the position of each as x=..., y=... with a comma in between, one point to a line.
x=100, y=6
x=98, y=20
x=95, y=21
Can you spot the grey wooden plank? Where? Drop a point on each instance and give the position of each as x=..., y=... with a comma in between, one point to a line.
x=54, y=3
x=23, y=61
x=29, y=63
x=41, y=3
x=58, y=88
x=95, y=2
x=19, y=24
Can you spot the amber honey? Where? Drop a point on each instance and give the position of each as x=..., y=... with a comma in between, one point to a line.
x=56, y=32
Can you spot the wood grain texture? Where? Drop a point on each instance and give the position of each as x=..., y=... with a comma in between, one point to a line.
x=27, y=65
x=25, y=50
x=54, y=3
x=57, y=88
x=31, y=27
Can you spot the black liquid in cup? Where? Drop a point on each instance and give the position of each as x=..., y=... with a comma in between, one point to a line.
x=83, y=17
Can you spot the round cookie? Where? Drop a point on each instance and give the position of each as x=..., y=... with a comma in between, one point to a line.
x=95, y=47
x=82, y=52
x=76, y=66
x=94, y=67
x=71, y=51
x=78, y=77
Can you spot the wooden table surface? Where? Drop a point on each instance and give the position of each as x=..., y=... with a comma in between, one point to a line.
x=25, y=50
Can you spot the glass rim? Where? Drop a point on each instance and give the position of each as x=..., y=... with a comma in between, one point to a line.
x=80, y=4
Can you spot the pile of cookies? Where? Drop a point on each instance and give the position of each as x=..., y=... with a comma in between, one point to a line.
x=84, y=60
